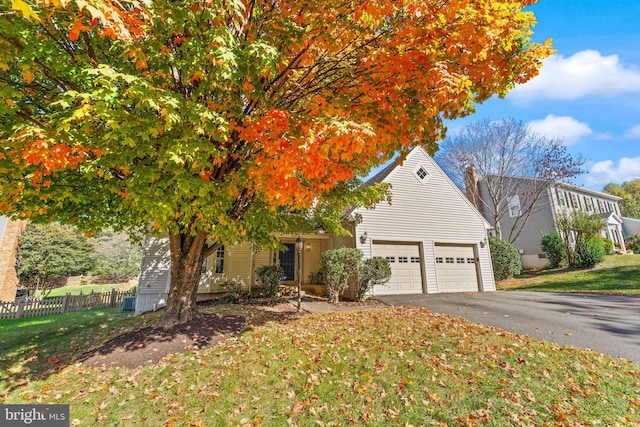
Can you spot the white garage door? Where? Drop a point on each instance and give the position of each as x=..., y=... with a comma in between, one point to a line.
x=406, y=277
x=456, y=269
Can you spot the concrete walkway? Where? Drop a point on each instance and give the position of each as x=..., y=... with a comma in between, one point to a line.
x=321, y=306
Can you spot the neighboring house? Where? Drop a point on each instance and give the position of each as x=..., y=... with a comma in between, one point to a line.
x=9, y=233
x=434, y=238
x=557, y=198
x=630, y=226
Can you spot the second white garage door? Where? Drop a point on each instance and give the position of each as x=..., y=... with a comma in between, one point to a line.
x=456, y=269
x=406, y=276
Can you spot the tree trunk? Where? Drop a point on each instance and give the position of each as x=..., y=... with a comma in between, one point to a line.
x=187, y=255
x=496, y=226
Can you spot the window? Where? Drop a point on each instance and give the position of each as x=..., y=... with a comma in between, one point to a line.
x=415, y=259
x=514, y=206
x=561, y=199
x=391, y=259
x=403, y=259
x=588, y=202
x=574, y=201
x=422, y=174
x=439, y=260
x=471, y=260
x=220, y=260
x=460, y=260
x=449, y=260
x=601, y=206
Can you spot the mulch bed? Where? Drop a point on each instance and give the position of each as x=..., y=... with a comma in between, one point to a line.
x=150, y=345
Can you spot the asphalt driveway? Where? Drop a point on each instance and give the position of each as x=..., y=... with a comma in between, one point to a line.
x=604, y=323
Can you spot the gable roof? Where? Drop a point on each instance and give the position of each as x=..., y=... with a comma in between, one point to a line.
x=380, y=176
x=611, y=218
x=386, y=172
x=563, y=185
x=586, y=190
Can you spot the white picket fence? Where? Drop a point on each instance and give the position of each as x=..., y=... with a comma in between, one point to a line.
x=63, y=304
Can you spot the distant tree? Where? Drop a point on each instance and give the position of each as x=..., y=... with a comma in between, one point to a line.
x=49, y=252
x=117, y=258
x=500, y=151
x=630, y=193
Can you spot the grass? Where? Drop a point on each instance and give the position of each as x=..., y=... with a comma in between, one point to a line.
x=618, y=274
x=391, y=366
x=87, y=289
x=37, y=347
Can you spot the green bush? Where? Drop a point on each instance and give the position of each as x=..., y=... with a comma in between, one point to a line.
x=553, y=245
x=236, y=289
x=374, y=271
x=606, y=244
x=338, y=265
x=590, y=253
x=270, y=276
x=505, y=259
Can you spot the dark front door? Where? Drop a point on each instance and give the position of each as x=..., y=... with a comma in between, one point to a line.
x=288, y=261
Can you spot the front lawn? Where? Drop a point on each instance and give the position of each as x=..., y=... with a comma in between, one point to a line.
x=618, y=274
x=390, y=366
x=87, y=289
x=36, y=347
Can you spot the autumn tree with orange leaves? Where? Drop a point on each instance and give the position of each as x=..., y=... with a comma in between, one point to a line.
x=212, y=121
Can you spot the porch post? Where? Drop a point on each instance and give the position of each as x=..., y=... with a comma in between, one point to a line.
x=299, y=253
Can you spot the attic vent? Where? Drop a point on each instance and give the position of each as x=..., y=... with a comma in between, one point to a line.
x=422, y=173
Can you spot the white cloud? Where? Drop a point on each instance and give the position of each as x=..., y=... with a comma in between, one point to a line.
x=604, y=172
x=585, y=73
x=565, y=127
x=633, y=133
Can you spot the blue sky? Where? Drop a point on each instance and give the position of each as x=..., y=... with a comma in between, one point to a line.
x=588, y=92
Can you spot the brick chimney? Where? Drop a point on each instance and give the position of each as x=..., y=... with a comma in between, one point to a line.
x=8, y=252
x=472, y=189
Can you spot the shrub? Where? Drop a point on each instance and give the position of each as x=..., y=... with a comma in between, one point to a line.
x=590, y=253
x=236, y=289
x=374, y=271
x=582, y=226
x=553, y=245
x=270, y=276
x=338, y=265
x=505, y=259
x=634, y=243
x=606, y=244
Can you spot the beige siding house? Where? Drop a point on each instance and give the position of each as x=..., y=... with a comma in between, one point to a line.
x=555, y=199
x=433, y=237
